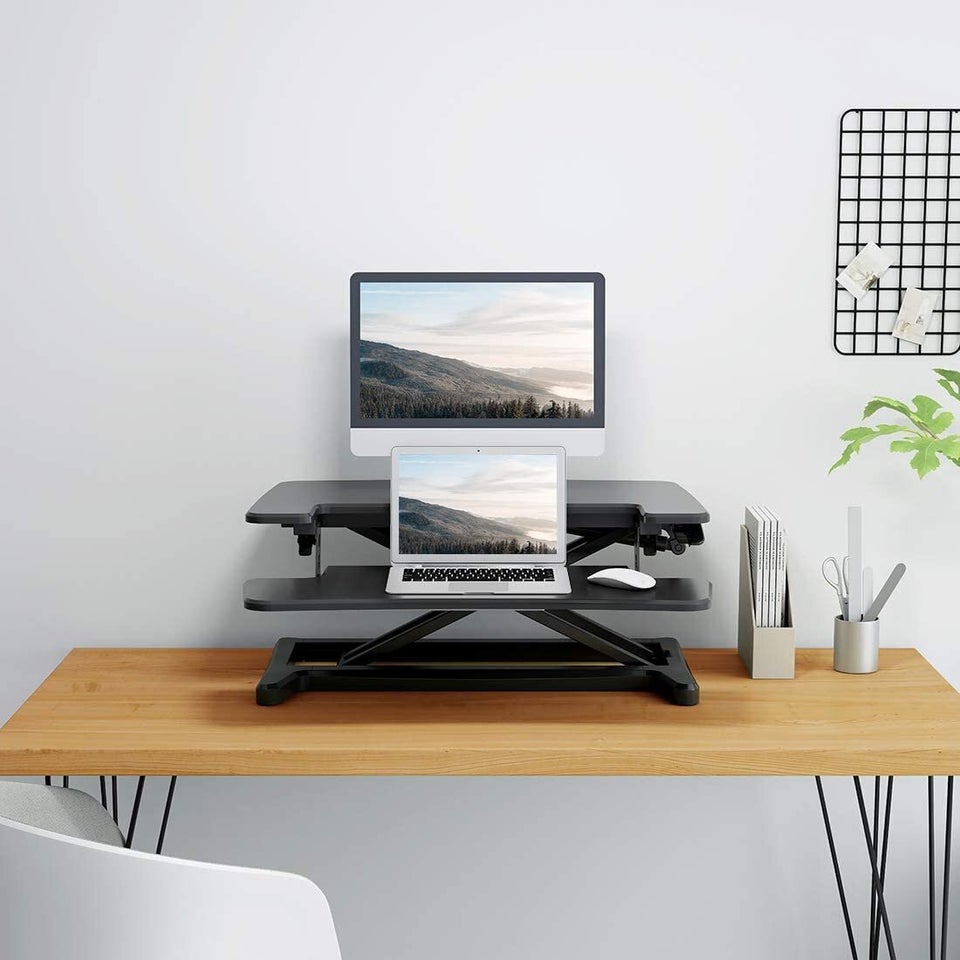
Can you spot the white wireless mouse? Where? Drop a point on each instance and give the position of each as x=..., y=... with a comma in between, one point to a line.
x=623, y=579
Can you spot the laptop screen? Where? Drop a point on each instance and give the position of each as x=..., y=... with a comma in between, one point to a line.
x=475, y=505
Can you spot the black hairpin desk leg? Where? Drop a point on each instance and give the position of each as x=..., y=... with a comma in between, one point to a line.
x=876, y=840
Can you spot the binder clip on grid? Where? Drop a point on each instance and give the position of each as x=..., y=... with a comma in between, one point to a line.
x=864, y=271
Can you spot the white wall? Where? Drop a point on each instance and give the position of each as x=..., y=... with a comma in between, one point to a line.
x=185, y=190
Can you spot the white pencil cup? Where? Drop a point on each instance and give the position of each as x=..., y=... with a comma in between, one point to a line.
x=856, y=645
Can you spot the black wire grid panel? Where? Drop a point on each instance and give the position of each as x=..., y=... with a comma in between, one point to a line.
x=899, y=187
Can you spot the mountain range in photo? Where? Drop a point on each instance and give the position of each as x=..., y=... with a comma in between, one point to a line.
x=409, y=384
x=432, y=528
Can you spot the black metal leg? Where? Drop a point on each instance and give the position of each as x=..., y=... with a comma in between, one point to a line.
x=947, y=847
x=872, y=854
x=931, y=872
x=128, y=842
x=135, y=812
x=103, y=792
x=66, y=781
x=47, y=780
x=116, y=817
x=836, y=870
x=874, y=933
x=875, y=929
x=166, y=814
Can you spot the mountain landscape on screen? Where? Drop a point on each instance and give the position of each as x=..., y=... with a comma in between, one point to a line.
x=411, y=384
x=432, y=528
x=476, y=350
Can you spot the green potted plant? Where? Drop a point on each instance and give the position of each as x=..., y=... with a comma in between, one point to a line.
x=924, y=434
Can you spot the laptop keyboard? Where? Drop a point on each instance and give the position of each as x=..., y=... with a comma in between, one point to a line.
x=478, y=574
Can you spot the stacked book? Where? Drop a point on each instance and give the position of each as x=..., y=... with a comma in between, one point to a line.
x=766, y=545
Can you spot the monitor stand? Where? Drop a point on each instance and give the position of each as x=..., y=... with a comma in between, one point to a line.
x=648, y=516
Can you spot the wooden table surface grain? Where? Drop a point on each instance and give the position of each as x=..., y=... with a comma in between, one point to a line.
x=190, y=711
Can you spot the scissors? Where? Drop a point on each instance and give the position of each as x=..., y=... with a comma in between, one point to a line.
x=837, y=574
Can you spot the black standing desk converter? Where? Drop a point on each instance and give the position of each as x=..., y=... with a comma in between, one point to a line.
x=650, y=516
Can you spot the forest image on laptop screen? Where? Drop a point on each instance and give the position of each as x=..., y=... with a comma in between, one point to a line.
x=476, y=350
x=478, y=503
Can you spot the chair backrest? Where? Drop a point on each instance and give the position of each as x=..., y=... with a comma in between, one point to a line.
x=64, y=897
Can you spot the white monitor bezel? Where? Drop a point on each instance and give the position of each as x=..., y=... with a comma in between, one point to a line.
x=560, y=557
x=378, y=442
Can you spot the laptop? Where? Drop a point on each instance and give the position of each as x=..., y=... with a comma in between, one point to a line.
x=478, y=520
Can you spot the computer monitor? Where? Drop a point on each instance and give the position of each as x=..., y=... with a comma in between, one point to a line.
x=485, y=359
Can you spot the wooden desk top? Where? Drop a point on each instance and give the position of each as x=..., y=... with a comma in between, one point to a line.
x=192, y=711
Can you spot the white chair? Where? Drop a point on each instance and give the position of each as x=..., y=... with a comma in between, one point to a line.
x=69, y=889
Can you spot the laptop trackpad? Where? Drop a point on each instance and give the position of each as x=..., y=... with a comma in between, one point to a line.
x=494, y=587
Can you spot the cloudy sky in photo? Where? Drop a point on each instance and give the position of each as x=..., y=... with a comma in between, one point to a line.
x=514, y=488
x=498, y=325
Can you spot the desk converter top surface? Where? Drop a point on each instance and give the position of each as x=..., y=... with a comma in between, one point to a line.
x=192, y=711
x=298, y=501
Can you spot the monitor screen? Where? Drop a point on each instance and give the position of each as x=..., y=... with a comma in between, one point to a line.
x=477, y=351
x=477, y=503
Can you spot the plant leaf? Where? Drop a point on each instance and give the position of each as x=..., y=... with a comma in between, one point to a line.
x=927, y=411
x=856, y=437
x=925, y=460
x=950, y=381
x=858, y=433
x=941, y=421
x=950, y=446
x=927, y=451
x=928, y=419
x=886, y=403
x=848, y=452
